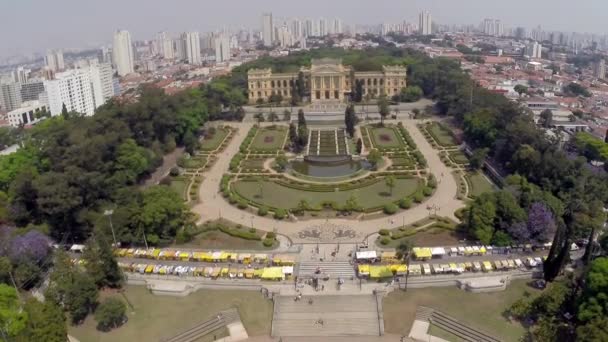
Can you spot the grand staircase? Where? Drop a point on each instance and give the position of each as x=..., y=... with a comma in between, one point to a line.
x=335, y=269
x=330, y=315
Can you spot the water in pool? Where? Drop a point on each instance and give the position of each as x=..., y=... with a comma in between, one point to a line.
x=321, y=169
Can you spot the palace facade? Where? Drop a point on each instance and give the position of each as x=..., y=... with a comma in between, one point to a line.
x=327, y=80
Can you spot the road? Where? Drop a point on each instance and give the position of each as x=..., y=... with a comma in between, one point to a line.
x=213, y=206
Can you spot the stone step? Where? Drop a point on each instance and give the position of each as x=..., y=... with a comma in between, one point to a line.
x=335, y=269
x=330, y=327
x=423, y=313
x=327, y=304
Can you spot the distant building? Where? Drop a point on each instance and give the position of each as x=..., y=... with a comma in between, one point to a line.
x=267, y=29
x=72, y=88
x=222, y=48
x=425, y=23
x=102, y=83
x=192, y=45
x=10, y=96
x=28, y=114
x=599, y=69
x=165, y=45
x=122, y=53
x=54, y=60
x=21, y=75
x=31, y=91
x=533, y=50
x=328, y=80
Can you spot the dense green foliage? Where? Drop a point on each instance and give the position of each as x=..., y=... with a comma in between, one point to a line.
x=591, y=147
x=110, y=314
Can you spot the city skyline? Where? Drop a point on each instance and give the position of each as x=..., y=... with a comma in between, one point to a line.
x=94, y=31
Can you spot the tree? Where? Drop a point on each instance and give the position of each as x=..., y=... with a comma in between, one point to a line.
x=13, y=320
x=286, y=115
x=46, y=322
x=64, y=112
x=358, y=94
x=541, y=223
x=383, y=109
x=281, y=162
x=259, y=117
x=416, y=113
x=350, y=120
x=101, y=264
x=301, y=85
x=352, y=204
x=359, y=145
x=161, y=213
x=272, y=117
x=594, y=301
x=478, y=158
x=275, y=99
x=293, y=135
x=595, y=330
x=301, y=119
x=110, y=314
x=410, y=94
x=546, y=118
x=374, y=157
x=520, y=89
x=575, y=89
x=404, y=248
x=390, y=183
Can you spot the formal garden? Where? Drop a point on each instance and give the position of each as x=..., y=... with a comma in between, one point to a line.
x=260, y=144
x=395, y=143
x=186, y=178
x=432, y=225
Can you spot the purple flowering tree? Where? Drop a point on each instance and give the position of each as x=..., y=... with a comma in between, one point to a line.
x=519, y=231
x=541, y=223
x=32, y=246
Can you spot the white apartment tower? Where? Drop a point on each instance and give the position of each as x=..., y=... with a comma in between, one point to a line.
x=122, y=53
x=425, y=23
x=54, y=60
x=165, y=45
x=599, y=69
x=533, y=50
x=72, y=88
x=267, y=29
x=222, y=48
x=192, y=44
x=102, y=84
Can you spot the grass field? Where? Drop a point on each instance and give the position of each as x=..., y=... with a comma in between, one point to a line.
x=257, y=164
x=444, y=334
x=441, y=134
x=157, y=317
x=385, y=137
x=195, y=162
x=480, y=310
x=268, y=139
x=479, y=184
x=179, y=185
x=211, y=143
x=279, y=196
x=218, y=240
x=458, y=157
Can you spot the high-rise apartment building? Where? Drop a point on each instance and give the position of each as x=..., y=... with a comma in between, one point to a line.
x=533, y=50
x=122, y=53
x=74, y=90
x=32, y=90
x=164, y=45
x=337, y=26
x=222, y=48
x=54, y=60
x=284, y=36
x=21, y=75
x=10, y=96
x=192, y=44
x=179, y=45
x=599, y=69
x=425, y=23
x=102, y=85
x=267, y=29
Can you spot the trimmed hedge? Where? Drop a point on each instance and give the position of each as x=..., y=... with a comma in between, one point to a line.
x=390, y=209
x=405, y=203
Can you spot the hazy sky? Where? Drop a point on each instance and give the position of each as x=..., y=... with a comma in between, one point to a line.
x=35, y=25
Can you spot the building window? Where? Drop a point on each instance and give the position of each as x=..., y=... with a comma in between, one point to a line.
x=318, y=95
x=327, y=94
x=375, y=81
x=336, y=94
x=259, y=94
x=285, y=83
x=381, y=82
x=369, y=81
x=272, y=84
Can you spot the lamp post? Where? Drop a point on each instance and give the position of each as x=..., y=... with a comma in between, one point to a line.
x=109, y=213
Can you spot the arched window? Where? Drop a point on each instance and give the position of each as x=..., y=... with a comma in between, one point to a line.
x=272, y=84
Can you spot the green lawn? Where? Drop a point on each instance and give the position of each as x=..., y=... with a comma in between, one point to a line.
x=160, y=317
x=441, y=134
x=444, y=334
x=479, y=184
x=458, y=157
x=257, y=164
x=268, y=139
x=195, y=162
x=179, y=185
x=479, y=310
x=214, y=141
x=217, y=240
x=386, y=137
x=279, y=196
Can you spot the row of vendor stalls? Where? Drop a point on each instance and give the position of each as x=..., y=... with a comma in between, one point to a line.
x=373, y=256
x=386, y=271
x=214, y=256
x=265, y=273
x=426, y=253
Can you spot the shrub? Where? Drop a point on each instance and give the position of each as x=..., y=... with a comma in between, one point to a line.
x=405, y=203
x=390, y=209
x=110, y=314
x=271, y=235
x=262, y=211
x=427, y=191
x=174, y=172
x=280, y=214
x=418, y=197
x=253, y=230
x=242, y=204
x=385, y=241
x=268, y=242
x=384, y=232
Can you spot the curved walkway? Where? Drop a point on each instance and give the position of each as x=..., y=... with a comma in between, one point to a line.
x=213, y=206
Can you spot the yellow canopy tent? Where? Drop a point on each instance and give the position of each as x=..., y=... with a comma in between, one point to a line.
x=249, y=273
x=399, y=269
x=422, y=253
x=363, y=269
x=273, y=273
x=184, y=256
x=380, y=272
x=257, y=273
x=388, y=256
x=260, y=258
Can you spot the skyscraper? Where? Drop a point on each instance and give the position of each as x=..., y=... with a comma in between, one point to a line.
x=267, y=29
x=72, y=88
x=599, y=69
x=165, y=45
x=533, y=50
x=222, y=48
x=54, y=60
x=10, y=96
x=193, y=47
x=424, y=23
x=122, y=53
